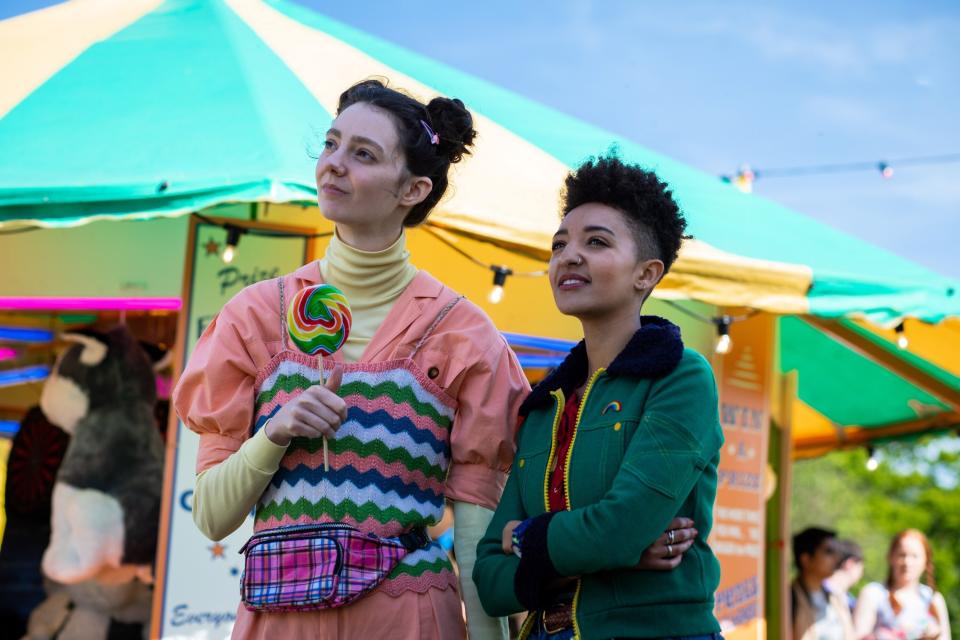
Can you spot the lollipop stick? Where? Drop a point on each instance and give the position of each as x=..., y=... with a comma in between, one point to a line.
x=326, y=447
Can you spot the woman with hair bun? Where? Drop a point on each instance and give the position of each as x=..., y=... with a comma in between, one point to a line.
x=904, y=608
x=419, y=408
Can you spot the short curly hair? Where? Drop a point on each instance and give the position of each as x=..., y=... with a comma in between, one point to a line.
x=645, y=200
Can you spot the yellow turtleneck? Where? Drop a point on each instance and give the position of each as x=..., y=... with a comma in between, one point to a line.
x=372, y=281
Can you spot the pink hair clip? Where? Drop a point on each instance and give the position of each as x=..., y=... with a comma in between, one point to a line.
x=434, y=138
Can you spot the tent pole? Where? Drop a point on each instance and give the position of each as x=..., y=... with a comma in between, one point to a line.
x=859, y=436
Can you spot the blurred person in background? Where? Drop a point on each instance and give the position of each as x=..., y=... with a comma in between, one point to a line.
x=904, y=608
x=848, y=572
x=817, y=612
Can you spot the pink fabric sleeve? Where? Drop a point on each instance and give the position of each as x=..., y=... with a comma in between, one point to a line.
x=215, y=394
x=482, y=440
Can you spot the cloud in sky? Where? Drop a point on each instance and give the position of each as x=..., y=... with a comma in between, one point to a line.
x=854, y=114
x=830, y=45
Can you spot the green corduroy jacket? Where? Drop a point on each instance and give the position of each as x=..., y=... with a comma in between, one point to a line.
x=645, y=449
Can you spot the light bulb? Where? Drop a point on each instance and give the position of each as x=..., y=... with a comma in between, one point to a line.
x=233, y=239
x=872, y=462
x=499, y=279
x=902, y=340
x=724, y=344
x=744, y=179
x=886, y=171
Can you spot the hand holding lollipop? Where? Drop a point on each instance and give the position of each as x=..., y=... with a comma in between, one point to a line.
x=318, y=320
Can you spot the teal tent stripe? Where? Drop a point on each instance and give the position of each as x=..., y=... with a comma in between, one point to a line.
x=187, y=103
x=75, y=213
x=844, y=386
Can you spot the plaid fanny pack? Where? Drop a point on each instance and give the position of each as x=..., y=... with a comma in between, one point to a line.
x=306, y=567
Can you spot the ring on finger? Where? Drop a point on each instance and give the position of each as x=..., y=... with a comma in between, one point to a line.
x=670, y=536
x=669, y=550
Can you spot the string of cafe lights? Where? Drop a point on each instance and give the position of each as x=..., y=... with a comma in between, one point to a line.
x=500, y=271
x=235, y=232
x=500, y=274
x=745, y=176
x=722, y=324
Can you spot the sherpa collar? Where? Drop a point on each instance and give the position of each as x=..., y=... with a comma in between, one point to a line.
x=653, y=352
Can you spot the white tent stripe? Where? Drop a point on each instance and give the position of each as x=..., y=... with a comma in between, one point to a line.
x=47, y=40
x=506, y=176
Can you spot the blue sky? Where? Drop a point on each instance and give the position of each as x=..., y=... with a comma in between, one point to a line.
x=716, y=85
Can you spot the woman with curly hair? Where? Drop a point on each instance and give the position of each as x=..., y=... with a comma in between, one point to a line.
x=622, y=437
x=904, y=608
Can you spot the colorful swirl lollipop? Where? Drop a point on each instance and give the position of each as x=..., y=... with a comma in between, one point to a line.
x=319, y=319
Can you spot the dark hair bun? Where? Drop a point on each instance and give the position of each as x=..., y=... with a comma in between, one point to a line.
x=445, y=117
x=454, y=124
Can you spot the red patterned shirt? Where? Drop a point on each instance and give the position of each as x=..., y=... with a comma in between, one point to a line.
x=558, y=492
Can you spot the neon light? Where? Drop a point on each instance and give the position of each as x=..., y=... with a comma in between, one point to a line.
x=537, y=361
x=26, y=374
x=91, y=304
x=557, y=350
x=9, y=427
x=536, y=342
x=19, y=334
x=7, y=354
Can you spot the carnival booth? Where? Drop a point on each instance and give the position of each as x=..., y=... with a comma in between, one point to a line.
x=155, y=159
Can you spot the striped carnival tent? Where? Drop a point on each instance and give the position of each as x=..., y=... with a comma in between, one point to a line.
x=148, y=109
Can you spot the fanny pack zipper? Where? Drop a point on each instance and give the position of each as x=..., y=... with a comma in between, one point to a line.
x=294, y=530
x=257, y=538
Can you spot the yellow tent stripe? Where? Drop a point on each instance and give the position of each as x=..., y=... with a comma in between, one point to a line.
x=42, y=42
x=508, y=191
x=705, y=273
x=938, y=344
x=810, y=426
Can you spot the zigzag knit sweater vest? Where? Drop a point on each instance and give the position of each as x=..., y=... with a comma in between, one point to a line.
x=388, y=461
